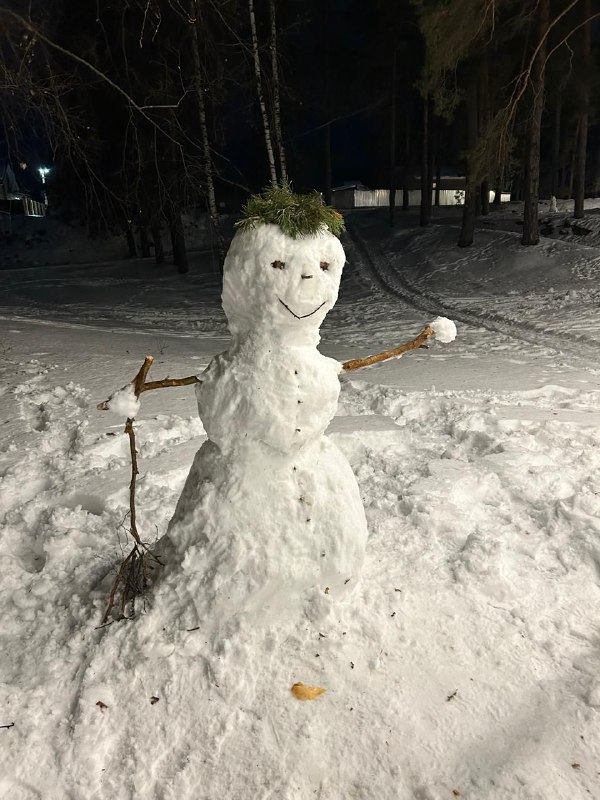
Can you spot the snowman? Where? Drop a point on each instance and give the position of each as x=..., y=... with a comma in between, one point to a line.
x=271, y=512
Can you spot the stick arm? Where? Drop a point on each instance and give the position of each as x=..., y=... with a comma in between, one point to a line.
x=140, y=385
x=419, y=341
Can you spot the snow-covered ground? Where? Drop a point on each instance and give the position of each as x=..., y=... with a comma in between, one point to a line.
x=466, y=663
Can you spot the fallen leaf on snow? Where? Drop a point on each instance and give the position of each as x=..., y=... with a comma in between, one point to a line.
x=302, y=692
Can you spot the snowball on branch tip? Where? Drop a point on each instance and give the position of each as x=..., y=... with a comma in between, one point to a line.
x=444, y=329
x=123, y=402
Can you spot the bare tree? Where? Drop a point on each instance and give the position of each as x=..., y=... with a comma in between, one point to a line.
x=199, y=89
x=456, y=36
x=484, y=121
x=261, y=96
x=392, y=194
x=425, y=177
x=584, y=108
x=531, y=233
x=283, y=176
x=556, y=138
x=467, y=230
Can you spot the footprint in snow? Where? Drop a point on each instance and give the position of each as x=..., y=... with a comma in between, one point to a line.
x=42, y=406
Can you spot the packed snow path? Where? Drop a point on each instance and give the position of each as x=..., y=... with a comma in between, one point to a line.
x=408, y=271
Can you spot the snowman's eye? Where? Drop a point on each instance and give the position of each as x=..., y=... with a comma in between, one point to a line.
x=324, y=265
x=278, y=264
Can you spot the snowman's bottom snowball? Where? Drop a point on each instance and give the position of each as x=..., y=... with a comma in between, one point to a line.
x=256, y=529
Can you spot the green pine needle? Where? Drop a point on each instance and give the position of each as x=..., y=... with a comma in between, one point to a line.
x=296, y=214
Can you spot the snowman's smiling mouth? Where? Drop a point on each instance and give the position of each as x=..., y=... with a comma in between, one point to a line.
x=303, y=316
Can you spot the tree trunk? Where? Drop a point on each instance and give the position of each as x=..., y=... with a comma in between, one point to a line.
x=283, y=177
x=573, y=165
x=583, y=111
x=485, y=197
x=130, y=241
x=438, y=179
x=484, y=123
x=498, y=191
x=423, y=217
x=144, y=243
x=516, y=192
x=554, y=188
x=430, y=160
x=328, y=176
x=531, y=232
x=159, y=253
x=178, y=242
x=467, y=230
x=561, y=178
x=405, y=197
x=392, y=196
x=261, y=97
x=406, y=167
x=209, y=183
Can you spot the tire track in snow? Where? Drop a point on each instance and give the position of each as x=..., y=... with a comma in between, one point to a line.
x=375, y=264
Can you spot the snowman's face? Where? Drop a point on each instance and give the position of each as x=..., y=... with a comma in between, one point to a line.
x=274, y=281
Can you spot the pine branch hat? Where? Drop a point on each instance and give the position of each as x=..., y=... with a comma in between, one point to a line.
x=296, y=214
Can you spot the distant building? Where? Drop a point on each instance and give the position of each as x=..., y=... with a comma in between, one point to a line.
x=347, y=195
x=13, y=199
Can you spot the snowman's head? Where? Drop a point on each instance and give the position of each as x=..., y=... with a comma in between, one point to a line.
x=280, y=285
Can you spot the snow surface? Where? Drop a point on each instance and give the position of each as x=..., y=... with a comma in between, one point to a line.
x=466, y=659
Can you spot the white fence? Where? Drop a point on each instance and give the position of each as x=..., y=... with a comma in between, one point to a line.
x=363, y=198
x=369, y=198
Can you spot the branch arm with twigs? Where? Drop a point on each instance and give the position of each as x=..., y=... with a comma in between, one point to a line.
x=565, y=39
x=522, y=81
x=131, y=578
x=140, y=386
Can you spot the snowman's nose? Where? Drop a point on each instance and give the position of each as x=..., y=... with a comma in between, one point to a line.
x=305, y=277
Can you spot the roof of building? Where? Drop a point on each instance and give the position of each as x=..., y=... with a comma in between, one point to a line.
x=7, y=175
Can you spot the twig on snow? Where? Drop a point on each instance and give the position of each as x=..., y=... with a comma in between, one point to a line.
x=105, y=625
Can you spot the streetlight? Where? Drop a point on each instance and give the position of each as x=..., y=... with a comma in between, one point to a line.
x=43, y=172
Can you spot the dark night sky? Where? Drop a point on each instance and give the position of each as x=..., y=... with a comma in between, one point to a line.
x=336, y=62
